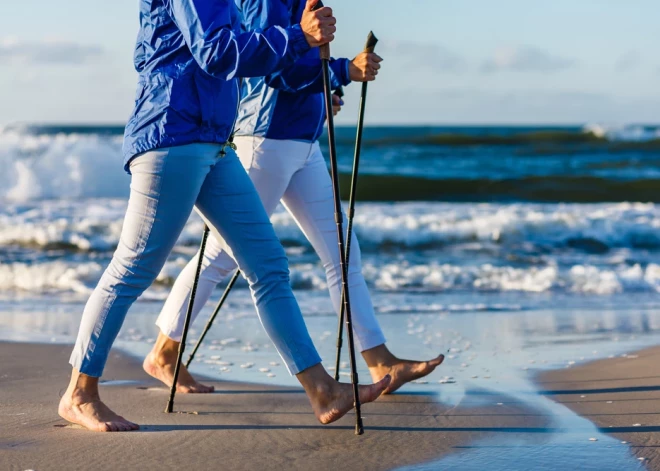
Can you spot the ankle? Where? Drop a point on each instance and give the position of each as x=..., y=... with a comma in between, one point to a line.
x=165, y=350
x=379, y=357
x=316, y=381
x=82, y=388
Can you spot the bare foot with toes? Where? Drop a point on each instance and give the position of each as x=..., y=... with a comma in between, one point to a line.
x=331, y=401
x=160, y=364
x=82, y=405
x=404, y=371
x=162, y=369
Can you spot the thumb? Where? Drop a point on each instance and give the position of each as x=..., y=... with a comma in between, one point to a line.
x=311, y=5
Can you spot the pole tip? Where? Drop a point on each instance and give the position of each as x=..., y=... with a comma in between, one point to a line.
x=359, y=429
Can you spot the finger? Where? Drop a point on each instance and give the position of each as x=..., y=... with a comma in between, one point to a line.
x=374, y=65
x=375, y=57
x=324, y=12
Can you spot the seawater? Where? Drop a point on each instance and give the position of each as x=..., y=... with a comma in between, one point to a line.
x=510, y=249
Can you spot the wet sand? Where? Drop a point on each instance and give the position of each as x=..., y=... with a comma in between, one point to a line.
x=242, y=426
x=620, y=395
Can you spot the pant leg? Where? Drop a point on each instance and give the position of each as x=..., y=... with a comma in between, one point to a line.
x=270, y=165
x=216, y=264
x=231, y=206
x=164, y=187
x=310, y=201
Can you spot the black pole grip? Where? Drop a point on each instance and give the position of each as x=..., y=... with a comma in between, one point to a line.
x=372, y=40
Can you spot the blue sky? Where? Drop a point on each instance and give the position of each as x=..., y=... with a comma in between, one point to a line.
x=446, y=62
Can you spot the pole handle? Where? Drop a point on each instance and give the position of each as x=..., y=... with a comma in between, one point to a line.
x=325, y=52
x=372, y=40
x=324, y=49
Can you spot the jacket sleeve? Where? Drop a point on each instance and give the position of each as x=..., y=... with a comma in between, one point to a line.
x=306, y=76
x=206, y=26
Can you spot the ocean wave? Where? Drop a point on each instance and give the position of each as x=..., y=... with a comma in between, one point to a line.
x=623, y=133
x=548, y=165
x=39, y=166
x=582, y=279
x=80, y=278
x=95, y=225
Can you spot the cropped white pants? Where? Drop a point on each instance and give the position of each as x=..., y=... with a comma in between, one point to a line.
x=295, y=173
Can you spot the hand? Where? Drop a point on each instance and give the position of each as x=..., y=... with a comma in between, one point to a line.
x=337, y=103
x=364, y=67
x=318, y=26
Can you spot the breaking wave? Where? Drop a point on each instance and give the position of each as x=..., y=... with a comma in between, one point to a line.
x=95, y=225
x=62, y=277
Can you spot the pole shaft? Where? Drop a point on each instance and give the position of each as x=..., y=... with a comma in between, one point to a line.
x=359, y=429
x=186, y=325
x=351, y=214
x=211, y=320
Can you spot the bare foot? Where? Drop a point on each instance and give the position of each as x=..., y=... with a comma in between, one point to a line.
x=162, y=368
x=330, y=399
x=404, y=371
x=381, y=362
x=82, y=405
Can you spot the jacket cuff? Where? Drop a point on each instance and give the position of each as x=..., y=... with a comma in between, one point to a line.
x=298, y=45
x=340, y=71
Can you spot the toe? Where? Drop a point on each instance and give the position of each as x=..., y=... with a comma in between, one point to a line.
x=103, y=427
x=372, y=392
x=111, y=427
x=437, y=361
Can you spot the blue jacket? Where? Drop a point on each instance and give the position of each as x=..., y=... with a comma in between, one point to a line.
x=189, y=54
x=287, y=104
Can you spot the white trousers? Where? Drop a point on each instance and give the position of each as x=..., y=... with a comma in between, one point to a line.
x=295, y=173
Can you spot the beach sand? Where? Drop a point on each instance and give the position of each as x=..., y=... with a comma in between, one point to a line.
x=620, y=395
x=242, y=426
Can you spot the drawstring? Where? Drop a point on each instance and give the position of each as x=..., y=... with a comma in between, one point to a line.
x=229, y=143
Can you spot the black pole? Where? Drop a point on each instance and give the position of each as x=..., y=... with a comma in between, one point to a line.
x=327, y=85
x=186, y=325
x=231, y=284
x=371, y=45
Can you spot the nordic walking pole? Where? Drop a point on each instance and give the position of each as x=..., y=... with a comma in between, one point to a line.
x=186, y=325
x=231, y=284
x=327, y=85
x=372, y=40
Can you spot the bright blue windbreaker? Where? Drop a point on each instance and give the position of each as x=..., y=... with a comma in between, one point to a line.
x=189, y=54
x=288, y=104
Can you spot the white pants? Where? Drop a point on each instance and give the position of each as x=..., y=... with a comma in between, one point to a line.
x=296, y=173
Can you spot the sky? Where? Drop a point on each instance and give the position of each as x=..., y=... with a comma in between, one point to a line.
x=445, y=61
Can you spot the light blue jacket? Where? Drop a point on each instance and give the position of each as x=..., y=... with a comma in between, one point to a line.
x=189, y=54
x=287, y=104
